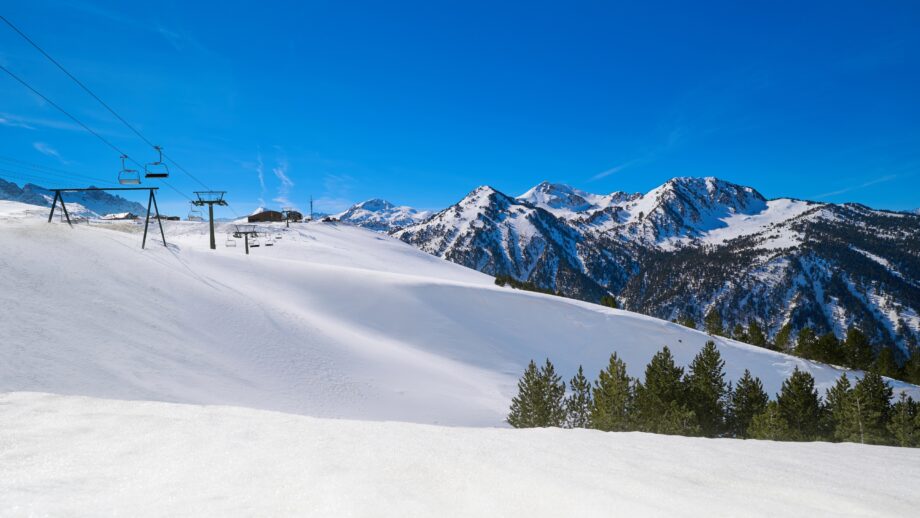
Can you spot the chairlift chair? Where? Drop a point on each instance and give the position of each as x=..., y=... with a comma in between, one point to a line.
x=254, y=242
x=230, y=241
x=128, y=176
x=156, y=169
x=269, y=241
x=194, y=214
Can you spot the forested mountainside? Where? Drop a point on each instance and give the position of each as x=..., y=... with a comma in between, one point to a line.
x=693, y=245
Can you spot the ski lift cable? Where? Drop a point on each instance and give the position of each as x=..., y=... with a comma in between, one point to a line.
x=65, y=112
x=99, y=99
x=105, y=105
x=51, y=172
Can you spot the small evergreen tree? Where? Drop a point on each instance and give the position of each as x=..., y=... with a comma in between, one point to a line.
x=707, y=390
x=871, y=401
x=905, y=422
x=827, y=349
x=841, y=421
x=686, y=321
x=884, y=363
x=540, y=399
x=912, y=366
x=553, y=409
x=578, y=403
x=805, y=343
x=755, y=335
x=610, y=301
x=738, y=333
x=858, y=350
x=799, y=406
x=769, y=425
x=713, y=323
x=613, y=398
x=781, y=340
x=747, y=400
x=524, y=405
x=661, y=402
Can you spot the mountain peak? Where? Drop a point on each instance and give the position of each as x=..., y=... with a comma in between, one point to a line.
x=380, y=215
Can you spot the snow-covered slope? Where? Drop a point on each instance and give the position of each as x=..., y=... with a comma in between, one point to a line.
x=64, y=456
x=381, y=215
x=333, y=321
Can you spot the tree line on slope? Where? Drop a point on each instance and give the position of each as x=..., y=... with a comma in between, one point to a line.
x=701, y=403
x=854, y=351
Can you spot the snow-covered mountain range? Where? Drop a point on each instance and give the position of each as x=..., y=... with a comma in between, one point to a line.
x=381, y=215
x=94, y=204
x=695, y=244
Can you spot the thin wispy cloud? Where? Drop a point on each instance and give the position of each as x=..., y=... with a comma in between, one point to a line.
x=284, y=189
x=47, y=150
x=886, y=178
x=12, y=123
x=614, y=170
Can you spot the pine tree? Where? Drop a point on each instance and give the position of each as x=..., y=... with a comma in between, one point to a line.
x=661, y=399
x=610, y=301
x=804, y=345
x=769, y=425
x=799, y=406
x=613, y=398
x=578, y=404
x=884, y=363
x=552, y=412
x=827, y=349
x=738, y=333
x=905, y=422
x=540, y=399
x=747, y=400
x=713, y=323
x=840, y=417
x=872, y=401
x=912, y=366
x=781, y=340
x=755, y=335
x=707, y=390
x=524, y=405
x=858, y=350
x=686, y=321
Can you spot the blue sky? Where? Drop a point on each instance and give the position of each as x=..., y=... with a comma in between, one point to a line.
x=420, y=102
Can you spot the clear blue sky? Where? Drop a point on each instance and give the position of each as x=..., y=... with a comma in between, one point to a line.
x=420, y=102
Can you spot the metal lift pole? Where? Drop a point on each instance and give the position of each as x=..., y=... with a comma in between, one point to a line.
x=211, y=219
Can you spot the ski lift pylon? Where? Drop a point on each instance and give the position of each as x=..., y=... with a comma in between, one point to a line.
x=157, y=169
x=128, y=176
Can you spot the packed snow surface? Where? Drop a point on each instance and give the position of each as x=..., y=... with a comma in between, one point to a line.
x=332, y=321
x=67, y=455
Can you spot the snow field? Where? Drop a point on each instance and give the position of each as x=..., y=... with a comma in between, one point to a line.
x=63, y=455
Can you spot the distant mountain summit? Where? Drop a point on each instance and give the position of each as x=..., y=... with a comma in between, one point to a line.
x=381, y=215
x=93, y=204
x=693, y=245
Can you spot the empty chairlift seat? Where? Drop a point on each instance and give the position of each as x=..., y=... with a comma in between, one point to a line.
x=157, y=169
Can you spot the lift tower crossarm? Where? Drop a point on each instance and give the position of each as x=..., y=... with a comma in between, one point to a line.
x=210, y=198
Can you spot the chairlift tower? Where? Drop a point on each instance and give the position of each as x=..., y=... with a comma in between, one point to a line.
x=287, y=216
x=245, y=231
x=210, y=198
